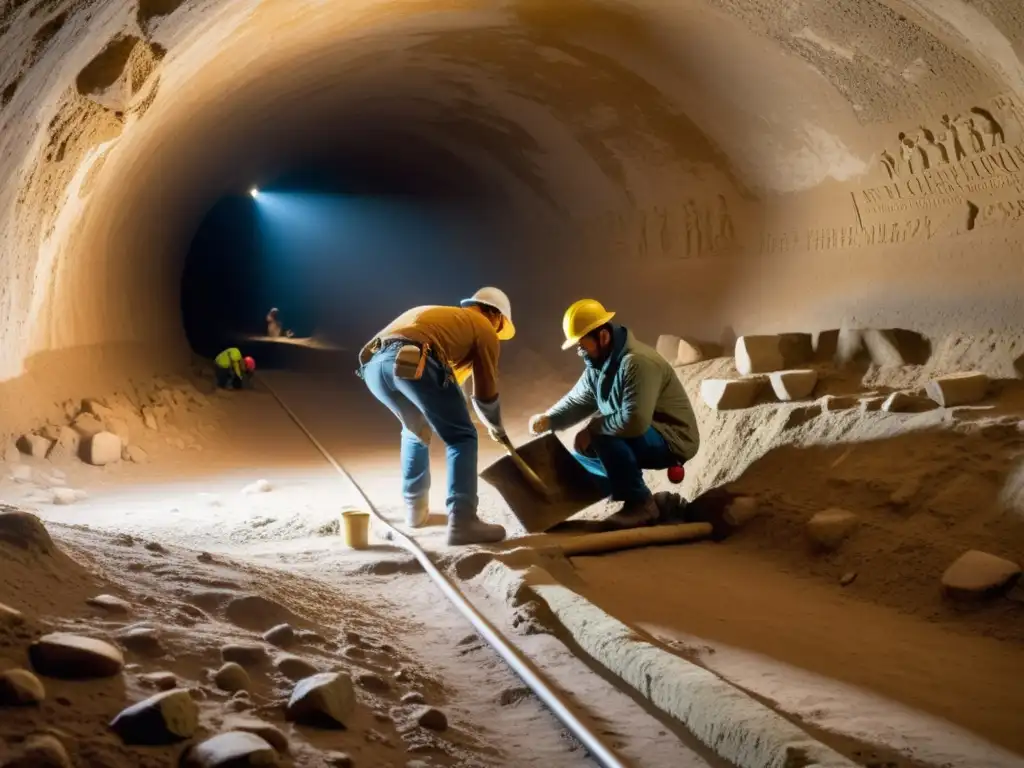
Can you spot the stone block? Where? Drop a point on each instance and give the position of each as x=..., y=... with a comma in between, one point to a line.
x=958, y=389
x=836, y=403
x=905, y=402
x=35, y=446
x=758, y=354
x=668, y=347
x=729, y=394
x=103, y=448
x=87, y=425
x=828, y=529
x=688, y=353
x=793, y=385
x=979, y=574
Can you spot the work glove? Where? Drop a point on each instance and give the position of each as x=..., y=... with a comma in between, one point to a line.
x=497, y=434
x=540, y=424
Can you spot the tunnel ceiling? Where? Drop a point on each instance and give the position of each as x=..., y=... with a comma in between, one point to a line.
x=729, y=151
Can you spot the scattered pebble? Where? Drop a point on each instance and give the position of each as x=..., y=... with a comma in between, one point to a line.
x=338, y=760
x=269, y=733
x=73, y=657
x=260, y=486
x=978, y=574
x=142, y=640
x=282, y=635
x=828, y=529
x=9, y=617
x=155, y=546
x=246, y=654
x=432, y=718
x=232, y=677
x=234, y=749
x=110, y=603
x=413, y=697
x=40, y=752
x=164, y=718
x=163, y=681
x=848, y=578
x=373, y=682
x=20, y=688
x=324, y=700
x=66, y=496
x=294, y=668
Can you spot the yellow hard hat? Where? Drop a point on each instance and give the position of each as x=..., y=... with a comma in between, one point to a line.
x=581, y=318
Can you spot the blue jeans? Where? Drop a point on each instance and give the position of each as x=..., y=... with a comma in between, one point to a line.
x=616, y=463
x=434, y=403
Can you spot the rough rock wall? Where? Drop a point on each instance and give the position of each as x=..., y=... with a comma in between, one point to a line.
x=729, y=164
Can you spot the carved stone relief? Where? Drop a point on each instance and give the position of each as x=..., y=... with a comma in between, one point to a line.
x=957, y=138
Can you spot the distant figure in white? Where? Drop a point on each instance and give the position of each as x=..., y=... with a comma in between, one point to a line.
x=274, y=329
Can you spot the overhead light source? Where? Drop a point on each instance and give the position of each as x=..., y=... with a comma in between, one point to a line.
x=254, y=191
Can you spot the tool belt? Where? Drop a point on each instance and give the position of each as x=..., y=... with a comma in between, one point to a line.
x=411, y=359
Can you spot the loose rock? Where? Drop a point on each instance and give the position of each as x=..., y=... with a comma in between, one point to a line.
x=74, y=657
x=283, y=635
x=758, y=354
x=958, y=389
x=793, y=385
x=828, y=529
x=979, y=574
x=688, y=354
x=338, y=760
x=103, y=448
x=20, y=688
x=324, y=700
x=234, y=749
x=256, y=612
x=729, y=394
x=36, y=446
x=24, y=531
x=246, y=654
x=260, y=486
x=269, y=733
x=142, y=640
x=432, y=718
x=309, y=636
x=40, y=752
x=66, y=496
x=164, y=681
x=232, y=677
x=164, y=718
x=413, y=697
x=294, y=668
x=156, y=546
x=904, y=402
x=87, y=425
x=848, y=579
x=111, y=604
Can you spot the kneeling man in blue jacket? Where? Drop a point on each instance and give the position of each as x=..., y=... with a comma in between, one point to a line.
x=639, y=415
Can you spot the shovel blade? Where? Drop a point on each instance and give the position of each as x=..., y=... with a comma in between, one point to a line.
x=571, y=488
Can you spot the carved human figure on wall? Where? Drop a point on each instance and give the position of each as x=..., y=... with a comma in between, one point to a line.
x=937, y=154
x=693, y=234
x=951, y=140
x=988, y=130
x=1011, y=118
x=889, y=163
x=913, y=156
x=971, y=134
x=726, y=231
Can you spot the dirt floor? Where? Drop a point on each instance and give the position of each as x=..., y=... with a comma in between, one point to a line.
x=858, y=641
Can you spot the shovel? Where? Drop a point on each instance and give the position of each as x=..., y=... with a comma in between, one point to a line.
x=531, y=477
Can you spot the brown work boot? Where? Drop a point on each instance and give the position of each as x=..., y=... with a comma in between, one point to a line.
x=636, y=514
x=470, y=529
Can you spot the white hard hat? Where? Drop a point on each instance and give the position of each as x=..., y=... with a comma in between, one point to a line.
x=495, y=298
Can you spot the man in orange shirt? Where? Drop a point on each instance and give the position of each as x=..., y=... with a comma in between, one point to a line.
x=416, y=366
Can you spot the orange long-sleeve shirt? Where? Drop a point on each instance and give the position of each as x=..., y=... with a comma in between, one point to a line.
x=461, y=336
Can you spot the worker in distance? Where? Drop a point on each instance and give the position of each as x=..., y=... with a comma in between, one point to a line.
x=416, y=366
x=638, y=414
x=232, y=370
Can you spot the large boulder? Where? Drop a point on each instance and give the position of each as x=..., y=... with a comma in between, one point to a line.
x=103, y=448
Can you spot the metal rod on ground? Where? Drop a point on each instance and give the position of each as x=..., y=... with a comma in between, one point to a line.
x=519, y=663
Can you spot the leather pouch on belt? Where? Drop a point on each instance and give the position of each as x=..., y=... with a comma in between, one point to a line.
x=410, y=361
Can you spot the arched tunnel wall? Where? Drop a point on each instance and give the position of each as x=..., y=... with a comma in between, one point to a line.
x=721, y=166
